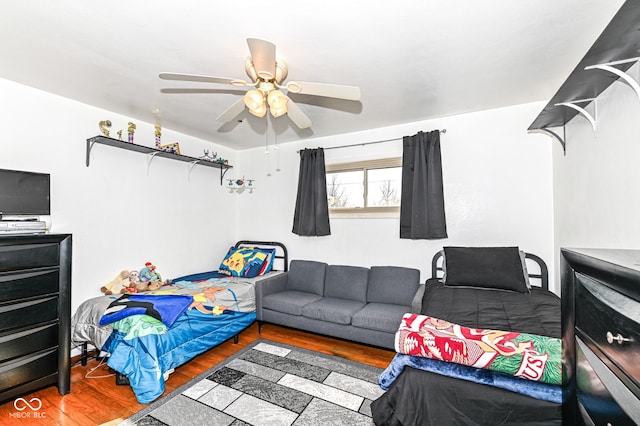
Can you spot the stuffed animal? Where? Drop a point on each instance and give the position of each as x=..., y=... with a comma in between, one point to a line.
x=147, y=286
x=148, y=273
x=116, y=285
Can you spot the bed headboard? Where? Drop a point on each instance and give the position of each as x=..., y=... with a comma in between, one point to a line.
x=281, y=260
x=536, y=269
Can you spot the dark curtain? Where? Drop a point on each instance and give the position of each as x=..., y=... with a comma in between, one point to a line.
x=311, y=217
x=422, y=201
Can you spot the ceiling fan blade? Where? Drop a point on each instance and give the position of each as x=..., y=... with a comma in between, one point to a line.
x=263, y=55
x=337, y=91
x=232, y=112
x=201, y=78
x=296, y=115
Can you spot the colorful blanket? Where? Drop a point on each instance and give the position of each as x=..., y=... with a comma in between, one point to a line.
x=165, y=308
x=527, y=356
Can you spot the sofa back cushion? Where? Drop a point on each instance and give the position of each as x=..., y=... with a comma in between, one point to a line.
x=346, y=282
x=392, y=284
x=307, y=275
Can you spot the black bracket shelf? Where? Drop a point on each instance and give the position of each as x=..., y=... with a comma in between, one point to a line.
x=614, y=52
x=153, y=153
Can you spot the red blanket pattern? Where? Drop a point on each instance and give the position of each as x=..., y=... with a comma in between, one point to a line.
x=524, y=355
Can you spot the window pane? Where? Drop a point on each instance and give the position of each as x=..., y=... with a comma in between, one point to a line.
x=384, y=186
x=345, y=189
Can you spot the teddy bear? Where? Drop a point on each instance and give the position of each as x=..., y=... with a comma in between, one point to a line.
x=116, y=285
x=147, y=285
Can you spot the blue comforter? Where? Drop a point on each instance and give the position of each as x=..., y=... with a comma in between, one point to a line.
x=145, y=360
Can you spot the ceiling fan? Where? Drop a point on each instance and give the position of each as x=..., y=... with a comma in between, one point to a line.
x=267, y=76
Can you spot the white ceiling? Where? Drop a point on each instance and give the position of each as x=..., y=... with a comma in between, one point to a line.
x=412, y=59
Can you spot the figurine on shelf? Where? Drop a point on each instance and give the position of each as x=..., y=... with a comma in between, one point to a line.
x=120, y=134
x=103, y=127
x=221, y=160
x=131, y=130
x=208, y=157
x=158, y=135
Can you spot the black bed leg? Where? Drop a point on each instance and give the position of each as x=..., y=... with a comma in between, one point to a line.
x=235, y=339
x=259, y=326
x=84, y=356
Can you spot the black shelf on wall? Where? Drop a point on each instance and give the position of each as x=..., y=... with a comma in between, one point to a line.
x=617, y=47
x=153, y=152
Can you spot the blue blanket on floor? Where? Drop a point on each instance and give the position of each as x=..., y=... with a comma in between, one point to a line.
x=538, y=390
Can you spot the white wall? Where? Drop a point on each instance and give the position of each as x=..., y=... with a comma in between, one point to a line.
x=497, y=190
x=497, y=184
x=596, y=195
x=119, y=216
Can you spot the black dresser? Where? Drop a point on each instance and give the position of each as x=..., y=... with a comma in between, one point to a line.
x=35, y=313
x=601, y=336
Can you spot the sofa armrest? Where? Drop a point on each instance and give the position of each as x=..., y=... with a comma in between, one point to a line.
x=268, y=286
x=416, y=303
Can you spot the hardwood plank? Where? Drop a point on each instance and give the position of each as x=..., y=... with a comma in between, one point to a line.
x=94, y=401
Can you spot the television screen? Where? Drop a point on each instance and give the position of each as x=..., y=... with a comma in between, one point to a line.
x=24, y=193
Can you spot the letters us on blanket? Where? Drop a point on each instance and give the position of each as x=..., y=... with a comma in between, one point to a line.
x=527, y=356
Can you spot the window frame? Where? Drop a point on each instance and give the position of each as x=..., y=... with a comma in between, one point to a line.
x=365, y=166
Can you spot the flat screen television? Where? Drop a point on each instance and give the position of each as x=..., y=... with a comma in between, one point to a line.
x=24, y=193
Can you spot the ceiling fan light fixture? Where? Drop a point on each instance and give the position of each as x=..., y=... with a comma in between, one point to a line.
x=277, y=103
x=254, y=100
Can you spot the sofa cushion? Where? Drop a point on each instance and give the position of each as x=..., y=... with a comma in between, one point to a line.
x=346, y=282
x=379, y=316
x=307, y=276
x=332, y=309
x=392, y=284
x=289, y=301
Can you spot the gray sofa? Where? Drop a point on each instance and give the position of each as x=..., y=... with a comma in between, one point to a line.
x=364, y=305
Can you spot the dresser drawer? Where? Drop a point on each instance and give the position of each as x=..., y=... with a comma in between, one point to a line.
x=612, y=321
x=604, y=398
x=28, y=368
x=24, y=256
x=19, y=285
x=25, y=341
x=33, y=312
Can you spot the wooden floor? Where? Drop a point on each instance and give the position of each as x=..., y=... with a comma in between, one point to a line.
x=98, y=401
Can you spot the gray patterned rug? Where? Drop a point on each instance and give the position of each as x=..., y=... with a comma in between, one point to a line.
x=270, y=383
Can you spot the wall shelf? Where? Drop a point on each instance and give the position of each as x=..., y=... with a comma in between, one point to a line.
x=618, y=47
x=153, y=153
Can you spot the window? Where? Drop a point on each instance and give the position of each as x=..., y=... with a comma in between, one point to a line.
x=365, y=188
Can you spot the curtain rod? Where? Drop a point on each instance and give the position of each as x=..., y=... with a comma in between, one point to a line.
x=370, y=143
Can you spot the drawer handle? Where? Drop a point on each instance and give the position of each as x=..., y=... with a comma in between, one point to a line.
x=618, y=338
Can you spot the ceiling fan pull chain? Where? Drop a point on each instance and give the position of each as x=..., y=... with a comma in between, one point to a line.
x=266, y=137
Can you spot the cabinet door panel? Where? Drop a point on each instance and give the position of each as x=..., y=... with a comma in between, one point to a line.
x=28, y=313
x=28, y=284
